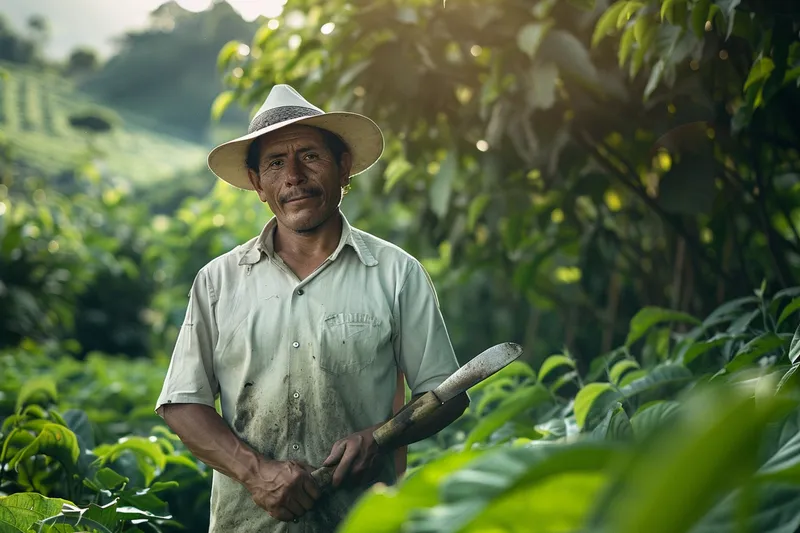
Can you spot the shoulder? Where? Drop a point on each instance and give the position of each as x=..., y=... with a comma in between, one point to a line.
x=386, y=253
x=227, y=264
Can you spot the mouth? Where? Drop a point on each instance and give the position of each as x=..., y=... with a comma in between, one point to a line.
x=298, y=199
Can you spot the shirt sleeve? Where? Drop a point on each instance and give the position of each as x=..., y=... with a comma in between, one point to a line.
x=422, y=345
x=190, y=377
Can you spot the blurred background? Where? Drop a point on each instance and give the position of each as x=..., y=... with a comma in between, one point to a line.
x=557, y=166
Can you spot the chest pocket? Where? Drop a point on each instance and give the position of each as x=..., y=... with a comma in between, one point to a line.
x=350, y=342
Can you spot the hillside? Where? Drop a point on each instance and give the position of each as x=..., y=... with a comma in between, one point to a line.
x=34, y=116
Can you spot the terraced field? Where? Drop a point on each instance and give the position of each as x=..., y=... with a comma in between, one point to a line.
x=34, y=115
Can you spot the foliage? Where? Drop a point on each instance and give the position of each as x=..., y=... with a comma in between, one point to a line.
x=566, y=178
x=81, y=446
x=673, y=432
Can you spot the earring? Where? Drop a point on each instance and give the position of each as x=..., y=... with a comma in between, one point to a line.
x=346, y=189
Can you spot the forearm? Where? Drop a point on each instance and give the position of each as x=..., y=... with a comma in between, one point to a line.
x=210, y=439
x=445, y=415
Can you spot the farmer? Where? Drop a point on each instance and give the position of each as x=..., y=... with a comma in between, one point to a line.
x=301, y=332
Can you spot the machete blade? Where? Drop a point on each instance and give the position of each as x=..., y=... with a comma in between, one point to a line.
x=477, y=369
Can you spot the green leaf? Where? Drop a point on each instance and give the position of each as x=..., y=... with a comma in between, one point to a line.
x=54, y=440
x=782, y=453
x=615, y=425
x=386, y=510
x=756, y=348
x=570, y=56
x=517, y=370
x=19, y=512
x=585, y=398
x=700, y=17
x=553, y=362
x=221, y=103
x=649, y=317
x=543, y=86
x=794, y=347
x=607, y=21
x=38, y=391
x=696, y=349
x=620, y=368
x=395, y=171
x=759, y=72
x=728, y=10
x=109, y=479
x=626, y=44
x=660, y=376
x=530, y=37
x=655, y=78
x=775, y=509
x=505, y=485
x=711, y=450
x=790, y=308
x=228, y=52
x=519, y=401
x=653, y=416
x=666, y=10
x=476, y=209
x=442, y=186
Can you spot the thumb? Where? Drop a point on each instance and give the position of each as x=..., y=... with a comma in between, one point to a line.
x=335, y=455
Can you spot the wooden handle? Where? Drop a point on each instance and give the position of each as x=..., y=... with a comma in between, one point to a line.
x=389, y=433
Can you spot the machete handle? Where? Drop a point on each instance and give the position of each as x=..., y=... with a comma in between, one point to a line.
x=387, y=435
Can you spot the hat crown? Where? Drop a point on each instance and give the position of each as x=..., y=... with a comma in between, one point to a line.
x=283, y=95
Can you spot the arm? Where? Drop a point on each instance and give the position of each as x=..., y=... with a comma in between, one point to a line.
x=283, y=488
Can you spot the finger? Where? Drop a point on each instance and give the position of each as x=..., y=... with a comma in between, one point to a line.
x=302, y=497
x=310, y=487
x=282, y=514
x=294, y=507
x=349, y=455
x=336, y=453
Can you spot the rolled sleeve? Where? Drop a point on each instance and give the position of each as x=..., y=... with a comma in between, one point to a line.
x=422, y=345
x=190, y=377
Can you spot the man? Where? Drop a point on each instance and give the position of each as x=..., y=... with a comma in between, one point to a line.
x=301, y=332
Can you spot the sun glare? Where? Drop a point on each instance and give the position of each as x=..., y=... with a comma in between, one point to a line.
x=252, y=9
x=194, y=6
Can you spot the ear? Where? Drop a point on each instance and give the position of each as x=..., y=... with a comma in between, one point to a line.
x=255, y=181
x=345, y=165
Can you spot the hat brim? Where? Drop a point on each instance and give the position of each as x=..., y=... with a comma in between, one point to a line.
x=361, y=135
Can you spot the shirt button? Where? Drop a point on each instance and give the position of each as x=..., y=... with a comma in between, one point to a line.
x=296, y=344
x=296, y=394
x=295, y=446
x=300, y=292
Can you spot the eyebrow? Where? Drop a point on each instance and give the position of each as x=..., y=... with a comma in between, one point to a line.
x=275, y=155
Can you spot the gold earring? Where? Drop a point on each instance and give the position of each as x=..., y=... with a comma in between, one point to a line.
x=346, y=189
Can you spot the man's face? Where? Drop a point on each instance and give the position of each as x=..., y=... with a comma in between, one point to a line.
x=299, y=178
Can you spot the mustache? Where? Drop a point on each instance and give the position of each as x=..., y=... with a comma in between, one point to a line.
x=299, y=193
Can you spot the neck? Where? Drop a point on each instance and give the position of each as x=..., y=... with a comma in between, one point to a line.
x=319, y=242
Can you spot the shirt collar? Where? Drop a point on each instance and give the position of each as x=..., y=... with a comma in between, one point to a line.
x=263, y=245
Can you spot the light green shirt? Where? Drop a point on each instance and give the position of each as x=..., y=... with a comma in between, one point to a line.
x=298, y=365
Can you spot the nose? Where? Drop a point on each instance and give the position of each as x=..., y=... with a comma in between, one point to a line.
x=294, y=172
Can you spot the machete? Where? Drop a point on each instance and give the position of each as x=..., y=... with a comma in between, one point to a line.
x=473, y=372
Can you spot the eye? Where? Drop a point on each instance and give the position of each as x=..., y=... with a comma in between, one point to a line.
x=311, y=156
x=275, y=163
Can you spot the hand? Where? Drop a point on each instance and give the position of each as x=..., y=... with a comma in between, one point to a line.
x=285, y=489
x=356, y=456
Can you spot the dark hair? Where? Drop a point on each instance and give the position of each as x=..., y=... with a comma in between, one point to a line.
x=334, y=143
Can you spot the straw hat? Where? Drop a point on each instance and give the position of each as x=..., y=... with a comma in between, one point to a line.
x=285, y=106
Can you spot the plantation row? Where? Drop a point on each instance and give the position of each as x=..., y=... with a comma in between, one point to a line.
x=35, y=111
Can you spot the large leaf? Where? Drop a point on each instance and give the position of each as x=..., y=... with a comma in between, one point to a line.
x=712, y=448
x=790, y=308
x=586, y=398
x=756, y=348
x=615, y=425
x=776, y=509
x=782, y=451
x=794, y=347
x=493, y=485
x=653, y=416
x=531, y=35
x=53, y=440
x=519, y=401
x=694, y=350
x=442, y=186
x=660, y=376
x=386, y=510
x=553, y=362
x=19, y=512
x=649, y=317
x=37, y=391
